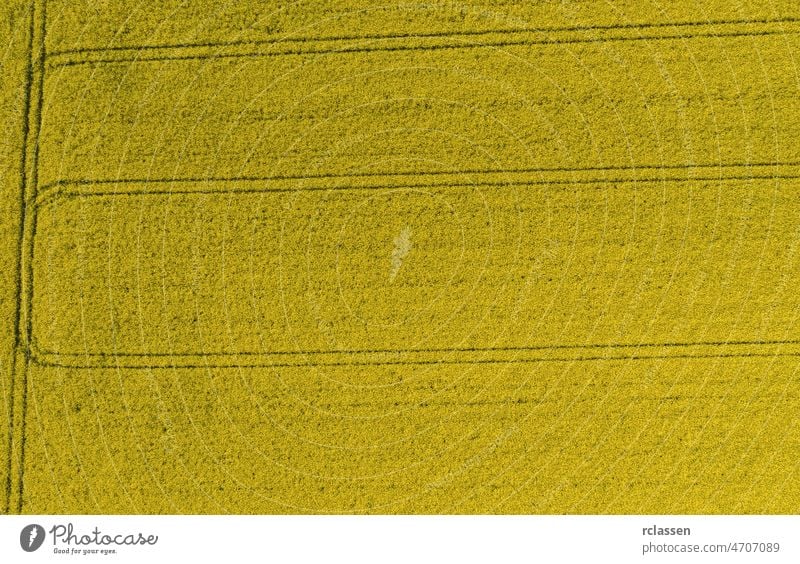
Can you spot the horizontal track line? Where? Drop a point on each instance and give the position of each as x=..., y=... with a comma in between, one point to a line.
x=60, y=185
x=40, y=352
x=392, y=48
x=384, y=36
x=47, y=363
x=47, y=199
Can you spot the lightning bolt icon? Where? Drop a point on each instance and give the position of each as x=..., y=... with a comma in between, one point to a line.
x=34, y=534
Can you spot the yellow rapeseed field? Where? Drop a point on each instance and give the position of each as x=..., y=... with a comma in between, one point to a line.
x=415, y=257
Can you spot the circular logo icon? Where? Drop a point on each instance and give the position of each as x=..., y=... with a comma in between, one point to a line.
x=31, y=537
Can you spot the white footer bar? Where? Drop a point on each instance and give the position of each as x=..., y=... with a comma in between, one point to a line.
x=400, y=539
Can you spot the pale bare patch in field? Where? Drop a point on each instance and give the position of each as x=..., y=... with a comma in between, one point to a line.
x=402, y=246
